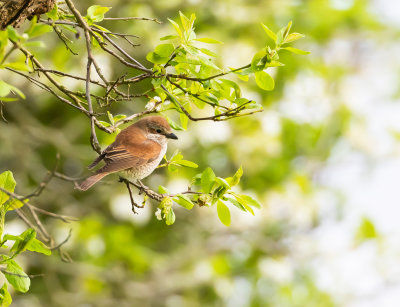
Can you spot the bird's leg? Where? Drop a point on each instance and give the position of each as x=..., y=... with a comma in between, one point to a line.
x=131, y=197
x=121, y=179
x=142, y=187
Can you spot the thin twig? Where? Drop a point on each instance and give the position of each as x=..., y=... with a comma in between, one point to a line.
x=133, y=18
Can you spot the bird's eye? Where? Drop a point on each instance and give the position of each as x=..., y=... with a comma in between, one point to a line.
x=158, y=130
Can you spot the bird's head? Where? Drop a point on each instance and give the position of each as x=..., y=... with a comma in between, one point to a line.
x=156, y=128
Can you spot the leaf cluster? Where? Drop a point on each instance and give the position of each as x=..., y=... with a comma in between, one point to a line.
x=26, y=241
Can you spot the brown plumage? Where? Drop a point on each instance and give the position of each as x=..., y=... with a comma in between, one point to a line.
x=137, y=150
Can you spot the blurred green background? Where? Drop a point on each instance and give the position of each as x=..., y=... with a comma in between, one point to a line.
x=323, y=158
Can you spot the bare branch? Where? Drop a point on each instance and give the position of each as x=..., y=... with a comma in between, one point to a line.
x=133, y=18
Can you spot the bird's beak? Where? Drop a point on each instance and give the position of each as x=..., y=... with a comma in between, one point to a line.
x=171, y=136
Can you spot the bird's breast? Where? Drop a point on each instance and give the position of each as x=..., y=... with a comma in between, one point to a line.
x=144, y=170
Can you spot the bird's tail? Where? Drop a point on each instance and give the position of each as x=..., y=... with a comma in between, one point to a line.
x=88, y=182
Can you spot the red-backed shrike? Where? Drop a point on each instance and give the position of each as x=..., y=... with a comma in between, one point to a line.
x=136, y=151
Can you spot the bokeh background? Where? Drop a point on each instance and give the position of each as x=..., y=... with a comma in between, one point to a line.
x=323, y=158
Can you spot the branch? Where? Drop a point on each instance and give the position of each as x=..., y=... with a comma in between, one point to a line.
x=219, y=117
x=208, y=78
x=133, y=18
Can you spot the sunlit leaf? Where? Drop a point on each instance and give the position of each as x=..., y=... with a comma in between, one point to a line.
x=271, y=34
x=23, y=242
x=293, y=37
x=259, y=60
x=39, y=247
x=236, y=178
x=162, y=190
x=295, y=50
x=208, y=40
x=223, y=213
x=39, y=29
x=7, y=182
x=170, y=217
x=187, y=163
x=207, y=180
x=164, y=50
x=16, y=276
x=184, y=201
x=169, y=37
x=96, y=12
x=264, y=80
x=176, y=26
x=53, y=13
x=6, y=88
x=250, y=201
x=366, y=231
x=5, y=297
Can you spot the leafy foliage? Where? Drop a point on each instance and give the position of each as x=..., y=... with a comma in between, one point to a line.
x=25, y=241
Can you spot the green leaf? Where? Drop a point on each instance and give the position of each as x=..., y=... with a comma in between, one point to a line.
x=250, y=201
x=169, y=37
x=119, y=117
x=207, y=180
x=236, y=203
x=162, y=190
x=6, y=99
x=6, y=88
x=184, y=120
x=185, y=21
x=287, y=30
x=231, y=84
x=170, y=217
x=39, y=247
x=187, y=163
x=5, y=297
x=236, y=178
x=110, y=117
x=96, y=12
x=156, y=59
x=16, y=276
x=173, y=124
x=172, y=168
x=69, y=28
x=244, y=203
x=13, y=204
x=176, y=26
x=208, y=40
x=293, y=37
x=222, y=182
x=183, y=201
x=274, y=64
x=53, y=13
x=271, y=34
x=295, y=50
x=23, y=242
x=264, y=80
x=259, y=60
x=13, y=34
x=39, y=29
x=279, y=37
x=8, y=183
x=223, y=213
x=366, y=231
x=105, y=124
x=196, y=180
x=208, y=52
x=164, y=50
x=17, y=66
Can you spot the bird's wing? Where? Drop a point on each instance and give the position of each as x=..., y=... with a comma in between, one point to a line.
x=120, y=157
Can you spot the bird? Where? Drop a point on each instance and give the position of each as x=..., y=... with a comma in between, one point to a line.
x=136, y=151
